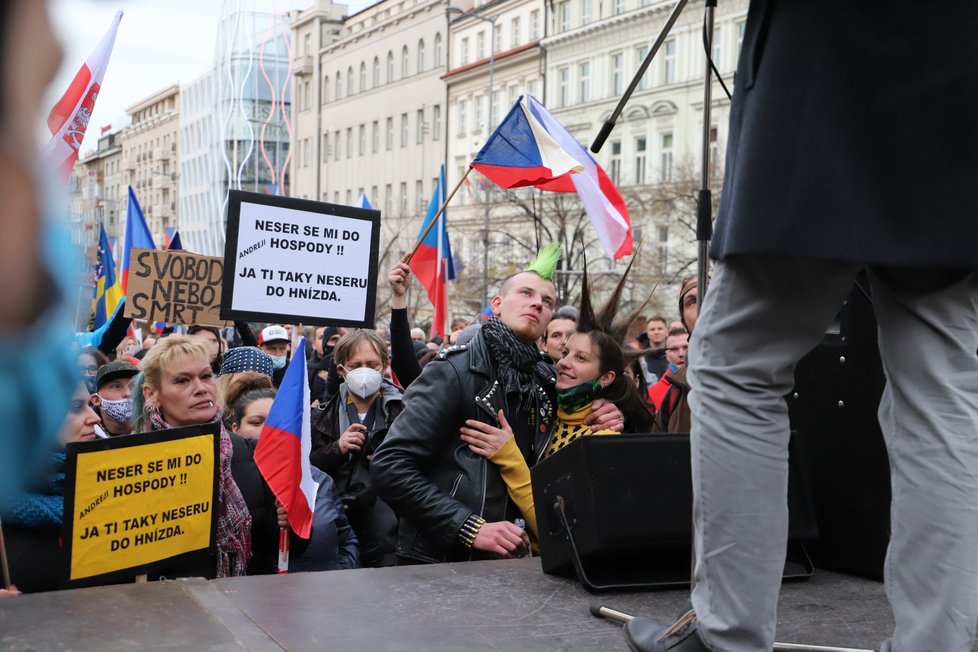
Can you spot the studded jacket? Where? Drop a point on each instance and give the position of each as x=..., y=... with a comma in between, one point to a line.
x=424, y=470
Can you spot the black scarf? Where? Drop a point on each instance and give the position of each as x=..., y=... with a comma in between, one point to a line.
x=519, y=371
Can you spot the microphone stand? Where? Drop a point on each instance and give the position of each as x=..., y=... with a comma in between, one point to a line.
x=704, y=197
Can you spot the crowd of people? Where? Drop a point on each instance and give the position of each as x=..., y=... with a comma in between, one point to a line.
x=421, y=447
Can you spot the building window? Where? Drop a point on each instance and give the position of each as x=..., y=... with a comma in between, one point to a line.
x=465, y=51
x=336, y=145
x=363, y=76
x=563, y=16
x=388, y=198
x=584, y=80
x=533, y=88
x=646, y=79
x=741, y=26
x=461, y=118
x=325, y=154
x=325, y=98
x=420, y=126
x=669, y=62
x=514, y=33
x=478, y=123
x=404, y=130
x=390, y=134
x=585, y=12
x=349, y=142
x=534, y=24
x=511, y=95
x=376, y=74
x=421, y=56
x=619, y=6
x=614, y=169
x=640, y=147
x=404, y=62
x=436, y=122
x=494, y=116
x=663, y=234
x=403, y=203
x=718, y=48
x=665, y=168
x=339, y=87
x=617, y=73
x=480, y=45
x=390, y=67
x=419, y=197
x=563, y=86
x=437, y=61
x=375, y=136
x=349, y=81
x=362, y=140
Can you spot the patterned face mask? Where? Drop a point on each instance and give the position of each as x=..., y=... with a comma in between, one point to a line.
x=119, y=411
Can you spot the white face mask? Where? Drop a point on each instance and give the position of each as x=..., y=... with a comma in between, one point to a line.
x=364, y=381
x=278, y=361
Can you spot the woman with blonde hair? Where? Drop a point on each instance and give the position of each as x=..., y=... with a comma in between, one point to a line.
x=175, y=388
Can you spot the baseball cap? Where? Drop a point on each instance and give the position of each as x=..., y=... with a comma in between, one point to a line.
x=113, y=370
x=273, y=333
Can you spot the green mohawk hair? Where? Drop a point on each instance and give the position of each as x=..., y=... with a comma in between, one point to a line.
x=545, y=264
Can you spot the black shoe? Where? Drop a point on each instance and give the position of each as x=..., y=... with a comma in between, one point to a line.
x=642, y=635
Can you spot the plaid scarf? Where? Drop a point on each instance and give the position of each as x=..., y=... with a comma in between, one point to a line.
x=233, y=517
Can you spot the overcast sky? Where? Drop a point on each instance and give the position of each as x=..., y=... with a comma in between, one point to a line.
x=160, y=42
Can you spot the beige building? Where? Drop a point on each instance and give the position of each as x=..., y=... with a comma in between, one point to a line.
x=150, y=159
x=380, y=111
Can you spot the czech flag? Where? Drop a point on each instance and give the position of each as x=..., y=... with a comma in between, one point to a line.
x=69, y=118
x=602, y=201
x=282, y=454
x=432, y=263
x=363, y=202
x=520, y=152
x=137, y=236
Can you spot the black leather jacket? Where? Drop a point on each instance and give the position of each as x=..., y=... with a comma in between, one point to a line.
x=428, y=474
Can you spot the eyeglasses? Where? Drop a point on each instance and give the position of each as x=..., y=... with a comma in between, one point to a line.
x=89, y=371
x=678, y=348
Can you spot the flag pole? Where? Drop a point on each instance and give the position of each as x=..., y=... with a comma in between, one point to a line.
x=3, y=561
x=283, y=551
x=436, y=217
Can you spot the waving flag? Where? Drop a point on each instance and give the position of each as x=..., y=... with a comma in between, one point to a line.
x=432, y=263
x=69, y=118
x=108, y=290
x=520, y=152
x=282, y=454
x=509, y=156
x=363, y=202
x=137, y=236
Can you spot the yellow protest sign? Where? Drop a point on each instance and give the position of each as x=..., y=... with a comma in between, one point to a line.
x=136, y=501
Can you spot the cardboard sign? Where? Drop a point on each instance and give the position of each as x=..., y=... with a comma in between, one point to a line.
x=296, y=261
x=141, y=503
x=175, y=287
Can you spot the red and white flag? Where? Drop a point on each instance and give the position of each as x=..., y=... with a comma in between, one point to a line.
x=69, y=117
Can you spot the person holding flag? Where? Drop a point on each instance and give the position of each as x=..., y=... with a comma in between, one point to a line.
x=315, y=532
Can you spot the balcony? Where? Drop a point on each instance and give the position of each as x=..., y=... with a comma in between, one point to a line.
x=161, y=153
x=302, y=65
x=162, y=182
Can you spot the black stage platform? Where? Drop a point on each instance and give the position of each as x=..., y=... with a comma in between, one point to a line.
x=495, y=605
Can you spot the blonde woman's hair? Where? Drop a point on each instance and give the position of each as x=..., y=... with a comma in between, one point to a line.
x=159, y=358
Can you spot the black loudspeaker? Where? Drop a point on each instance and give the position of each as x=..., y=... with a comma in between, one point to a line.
x=833, y=407
x=617, y=511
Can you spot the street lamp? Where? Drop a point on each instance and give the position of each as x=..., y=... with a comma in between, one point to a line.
x=452, y=9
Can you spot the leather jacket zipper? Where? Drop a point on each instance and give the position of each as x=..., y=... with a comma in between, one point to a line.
x=455, y=485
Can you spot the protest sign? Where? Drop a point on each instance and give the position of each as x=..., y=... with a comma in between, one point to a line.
x=141, y=503
x=176, y=287
x=297, y=261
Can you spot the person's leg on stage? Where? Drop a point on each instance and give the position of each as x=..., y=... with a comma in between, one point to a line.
x=761, y=315
x=929, y=417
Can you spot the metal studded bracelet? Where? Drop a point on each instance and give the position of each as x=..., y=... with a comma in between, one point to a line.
x=470, y=529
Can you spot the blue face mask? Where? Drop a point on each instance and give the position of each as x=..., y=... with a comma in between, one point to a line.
x=279, y=361
x=39, y=364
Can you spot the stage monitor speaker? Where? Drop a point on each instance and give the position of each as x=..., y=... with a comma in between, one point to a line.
x=834, y=409
x=617, y=511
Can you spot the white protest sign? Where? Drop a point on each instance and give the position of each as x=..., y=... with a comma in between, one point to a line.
x=297, y=261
